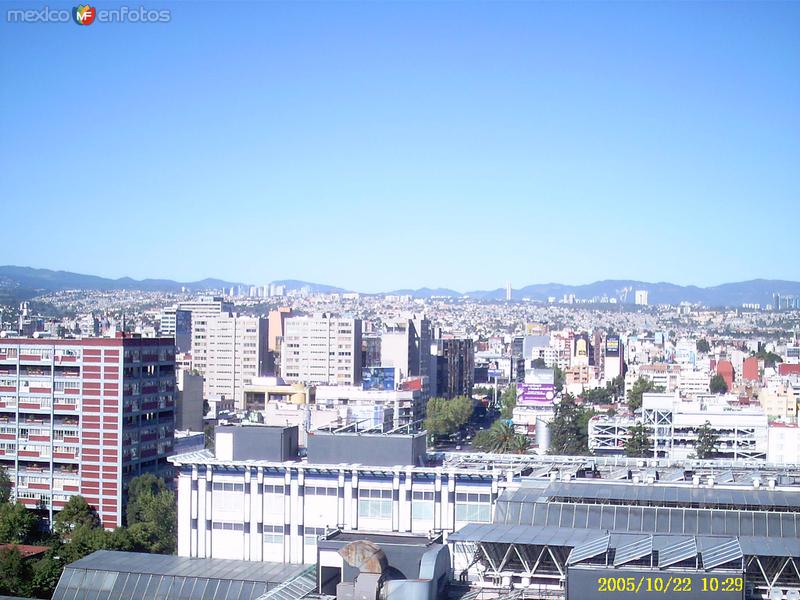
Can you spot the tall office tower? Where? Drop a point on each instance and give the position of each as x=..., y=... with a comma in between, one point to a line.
x=509, y=291
x=455, y=366
x=85, y=416
x=322, y=349
x=202, y=309
x=236, y=352
x=406, y=345
x=276, y=321
x=640, y=297
x=177, y=323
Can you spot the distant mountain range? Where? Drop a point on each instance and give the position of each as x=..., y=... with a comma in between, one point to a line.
x=25, y=282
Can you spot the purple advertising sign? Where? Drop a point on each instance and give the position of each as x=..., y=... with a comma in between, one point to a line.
x=535, y=393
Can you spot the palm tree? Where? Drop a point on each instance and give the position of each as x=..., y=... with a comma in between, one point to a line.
x=501, y=438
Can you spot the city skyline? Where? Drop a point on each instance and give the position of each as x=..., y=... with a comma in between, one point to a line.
x=607, y=142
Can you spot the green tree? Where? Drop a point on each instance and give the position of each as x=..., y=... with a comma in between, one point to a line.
x=538, y=363
x=703, y=346
x=508, y=401
x=76, y=513
x=17, y=523
x=47, y=571
x=5, y=486
x=597, y=396
x=617, y=388
x=638, y=443
x=446, y=416
x=718, y=385
x=569, y=429
x=640, y=387
x=707, y=439
x=152, y=515
x=770, y=358
x=501, y=438
x=558, y=378
x=15, y=573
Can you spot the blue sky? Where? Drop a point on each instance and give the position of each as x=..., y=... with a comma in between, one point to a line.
x=387, y=145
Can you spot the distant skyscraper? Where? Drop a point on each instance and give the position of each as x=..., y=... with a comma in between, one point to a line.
x=641, y=298
x=508, y=291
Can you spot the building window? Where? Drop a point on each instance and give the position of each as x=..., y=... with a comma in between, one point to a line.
x=375, y=504
x=227, y=526
x=273, y=534
x=473, y=508
x=422, y=506
x=311, y=534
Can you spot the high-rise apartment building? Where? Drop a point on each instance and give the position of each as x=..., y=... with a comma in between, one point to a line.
x=641, y=298
x=276, y=320
x=322, y=349
x=406, y=345
x=85, y=416
x=236, y=353
x=177, y=323
x=203, y=309
x=455, y=366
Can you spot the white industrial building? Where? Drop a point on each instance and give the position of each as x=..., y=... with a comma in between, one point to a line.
x=673, y=425
x=407, y=406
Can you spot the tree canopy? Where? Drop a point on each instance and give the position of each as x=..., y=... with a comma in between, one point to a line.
x=501, y=438
x=707, y=439
x=640, y=387
x=447, y=415
x=703, y=346
x=718, y=385
x=508, y=401
x=638, y=443
x=569, y=429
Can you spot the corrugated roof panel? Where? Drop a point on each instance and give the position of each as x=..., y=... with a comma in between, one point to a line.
x=634, y=551
x=681, y=550
x=588, y=550
x=721, y=554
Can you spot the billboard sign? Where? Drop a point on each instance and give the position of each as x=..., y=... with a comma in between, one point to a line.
x=535, y=394
x=378, y=378
x=612, y=345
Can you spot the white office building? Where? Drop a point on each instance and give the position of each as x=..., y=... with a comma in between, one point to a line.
x=322, y=349
x=236, y=353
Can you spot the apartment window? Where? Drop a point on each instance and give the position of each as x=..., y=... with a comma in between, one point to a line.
x=375, y=504
x=473, y=508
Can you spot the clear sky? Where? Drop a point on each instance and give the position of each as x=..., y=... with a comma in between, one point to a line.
x=387, y=145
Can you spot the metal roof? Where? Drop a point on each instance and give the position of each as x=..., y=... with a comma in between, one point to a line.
x=110, y=575
x=672, y=548
x=683, y=495
x=647, y=519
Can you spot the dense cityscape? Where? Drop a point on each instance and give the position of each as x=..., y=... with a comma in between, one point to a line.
x=354, y=300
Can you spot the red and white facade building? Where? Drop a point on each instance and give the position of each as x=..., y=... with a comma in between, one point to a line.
x=85, y=416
